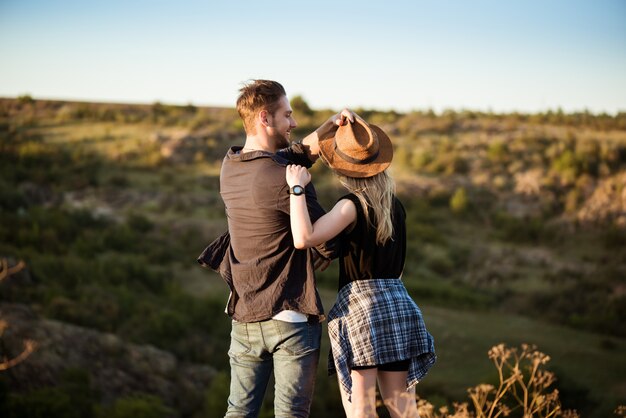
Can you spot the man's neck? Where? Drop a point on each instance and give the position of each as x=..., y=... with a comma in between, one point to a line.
x=255, y=144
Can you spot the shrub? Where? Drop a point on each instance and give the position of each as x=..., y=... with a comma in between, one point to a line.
x=439, y=196
x=425, y=233
x=166, y=324
x=121, y=238
x=132, y=271
x=421, y=159
x=136, y=406
x=567, y=166
x=10, y=198
x=25, y=99
x=118, y=180
x=497, y=151
x=614, y=238
x=438, y=260
x=73, y=398
x=67, y=272
x=459, y=201
x=139, y=223
x=519, y=230
x=42, y=403
x=572, y=200
x=217, y=395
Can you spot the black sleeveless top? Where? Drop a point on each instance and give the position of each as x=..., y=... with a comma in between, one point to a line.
x=361, y=258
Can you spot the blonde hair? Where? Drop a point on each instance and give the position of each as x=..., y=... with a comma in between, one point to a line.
x=374, y=193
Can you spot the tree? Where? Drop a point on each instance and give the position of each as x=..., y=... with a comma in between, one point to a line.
x=300, y=106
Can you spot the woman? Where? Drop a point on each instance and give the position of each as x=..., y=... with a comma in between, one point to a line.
x=376, y=329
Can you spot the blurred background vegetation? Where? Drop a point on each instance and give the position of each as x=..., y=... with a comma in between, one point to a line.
x=517, y=234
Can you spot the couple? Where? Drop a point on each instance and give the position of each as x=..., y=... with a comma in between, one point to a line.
x=279, y=234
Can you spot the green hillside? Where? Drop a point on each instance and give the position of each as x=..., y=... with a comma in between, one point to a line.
x=516, y=224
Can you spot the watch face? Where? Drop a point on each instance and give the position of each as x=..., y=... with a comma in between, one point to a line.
x=297, y=190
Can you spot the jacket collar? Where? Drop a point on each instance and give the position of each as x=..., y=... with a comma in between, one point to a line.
x=234, y=154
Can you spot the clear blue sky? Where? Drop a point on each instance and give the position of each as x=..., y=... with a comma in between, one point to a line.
x=525, y=55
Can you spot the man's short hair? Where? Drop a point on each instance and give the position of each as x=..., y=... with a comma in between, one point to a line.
x=255, y=96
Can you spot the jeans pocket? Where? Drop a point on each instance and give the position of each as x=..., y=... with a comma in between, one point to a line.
x=299, y=338
x=239, y=340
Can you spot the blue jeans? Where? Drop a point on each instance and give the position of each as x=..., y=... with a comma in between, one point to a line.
x=291, y=350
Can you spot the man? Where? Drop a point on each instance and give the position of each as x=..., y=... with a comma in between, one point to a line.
x=274, y=303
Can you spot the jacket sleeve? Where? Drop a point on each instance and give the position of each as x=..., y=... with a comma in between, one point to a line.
x=296, y=154
x=215, y=257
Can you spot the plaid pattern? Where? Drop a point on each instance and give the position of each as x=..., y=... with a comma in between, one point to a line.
x=375, y=322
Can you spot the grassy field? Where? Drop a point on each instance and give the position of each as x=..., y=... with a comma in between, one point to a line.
x=591, y=368
x=513, y=261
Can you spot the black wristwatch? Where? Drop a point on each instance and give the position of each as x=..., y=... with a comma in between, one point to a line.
x=296, y=190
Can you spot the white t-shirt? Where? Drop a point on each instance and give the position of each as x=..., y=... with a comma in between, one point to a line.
x=290, y=316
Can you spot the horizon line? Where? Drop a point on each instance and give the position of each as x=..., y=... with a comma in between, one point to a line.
x=440, y=112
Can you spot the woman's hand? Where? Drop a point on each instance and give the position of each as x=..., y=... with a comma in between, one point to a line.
x=296, y=175
x=343, y=117
x=326, y=131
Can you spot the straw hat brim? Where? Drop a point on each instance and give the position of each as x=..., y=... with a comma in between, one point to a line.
x=347, y=168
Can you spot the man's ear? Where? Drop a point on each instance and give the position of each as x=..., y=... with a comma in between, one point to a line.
x=263, y=114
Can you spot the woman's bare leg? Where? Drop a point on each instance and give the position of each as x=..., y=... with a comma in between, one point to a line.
x=364, y=393
x=399, y=402
x=347, y=406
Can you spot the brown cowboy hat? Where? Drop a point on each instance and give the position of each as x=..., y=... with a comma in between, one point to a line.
x=357, y=149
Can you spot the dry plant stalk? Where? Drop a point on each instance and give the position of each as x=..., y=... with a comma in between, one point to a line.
x=523, y=390
x=523, y=385
x=6, y=271
x=29, y=345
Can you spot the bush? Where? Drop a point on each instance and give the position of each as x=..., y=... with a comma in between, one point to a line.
x=74, y=398
x=567, y=166
x=425, y=233
x=139, y=223
x=11, y=199
x=136, y=406
x=131, y=271
x=497, y=151
x=67, y=272
x=614, y=238
x=121, y=238
x=459, y=201
x=438, y=260
x=25, y=99
x=217, y=395
x=421, y=159
x=519, y=230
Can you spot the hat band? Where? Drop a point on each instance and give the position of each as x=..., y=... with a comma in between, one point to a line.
x=354, y=160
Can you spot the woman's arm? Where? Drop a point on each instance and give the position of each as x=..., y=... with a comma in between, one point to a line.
x=306, y=235
x=326, y=130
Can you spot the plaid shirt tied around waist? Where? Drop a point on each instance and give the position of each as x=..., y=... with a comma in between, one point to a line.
x=375, y=322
